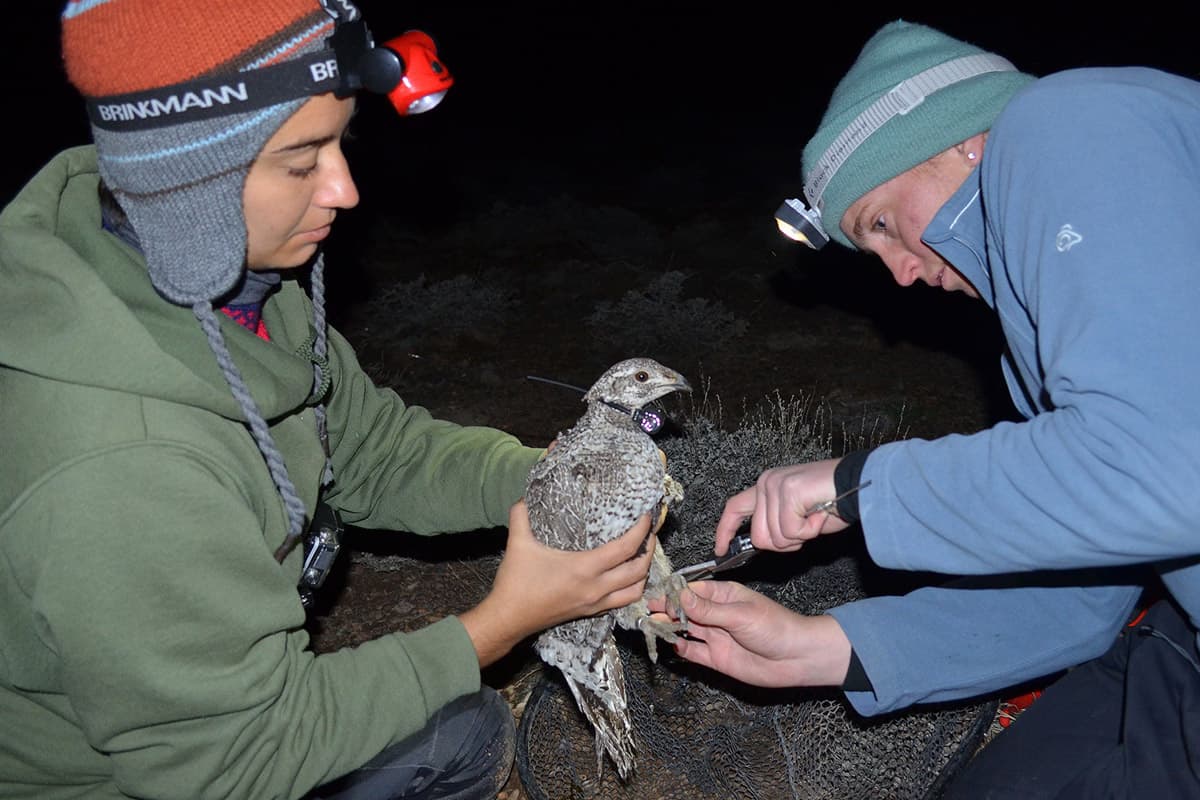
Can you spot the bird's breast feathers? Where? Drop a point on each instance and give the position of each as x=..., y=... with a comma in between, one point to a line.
x=580, y=496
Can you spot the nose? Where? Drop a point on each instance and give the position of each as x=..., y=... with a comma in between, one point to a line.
x=904, y=266
x=338, y=190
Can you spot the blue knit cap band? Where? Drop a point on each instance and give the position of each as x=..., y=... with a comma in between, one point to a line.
x=881, y=123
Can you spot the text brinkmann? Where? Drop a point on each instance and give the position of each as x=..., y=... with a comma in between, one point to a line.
x=173, y=104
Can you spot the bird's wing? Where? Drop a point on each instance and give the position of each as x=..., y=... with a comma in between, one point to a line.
x=580, y=500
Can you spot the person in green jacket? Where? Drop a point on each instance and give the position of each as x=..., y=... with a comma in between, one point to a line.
x=173, y=412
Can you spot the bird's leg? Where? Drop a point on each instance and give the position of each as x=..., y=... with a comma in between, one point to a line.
x=672, y=489
x=672, y=493
x=661, y=583
x=655, y=629
x=665, y=629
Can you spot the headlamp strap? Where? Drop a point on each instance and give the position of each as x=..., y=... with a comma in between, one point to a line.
x=341, y=10
x=904, y=97
x=332, y=69
x=191, y=101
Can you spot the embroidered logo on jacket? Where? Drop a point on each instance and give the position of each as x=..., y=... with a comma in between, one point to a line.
x=1067, y=238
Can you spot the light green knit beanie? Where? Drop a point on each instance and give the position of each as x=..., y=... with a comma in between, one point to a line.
x=912, y=93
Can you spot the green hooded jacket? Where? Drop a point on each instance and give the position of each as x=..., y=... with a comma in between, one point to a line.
x=150, y=645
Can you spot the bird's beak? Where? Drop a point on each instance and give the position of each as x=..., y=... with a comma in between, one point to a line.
x=680, y=384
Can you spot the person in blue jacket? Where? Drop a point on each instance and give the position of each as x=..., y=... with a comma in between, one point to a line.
x=1068, y=204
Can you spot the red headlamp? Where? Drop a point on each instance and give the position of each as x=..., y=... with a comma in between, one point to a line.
x=408, y=71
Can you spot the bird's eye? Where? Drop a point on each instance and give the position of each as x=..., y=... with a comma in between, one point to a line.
x=641, y=377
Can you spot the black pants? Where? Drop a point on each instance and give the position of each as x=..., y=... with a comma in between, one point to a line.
x=464, y=753
x=1126, y=725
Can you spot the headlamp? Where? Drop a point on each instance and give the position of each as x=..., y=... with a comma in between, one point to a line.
x=405, y=68
x=802, y=224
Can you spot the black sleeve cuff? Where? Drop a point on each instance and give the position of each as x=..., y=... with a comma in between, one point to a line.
x=846, y=475
x=856, y=676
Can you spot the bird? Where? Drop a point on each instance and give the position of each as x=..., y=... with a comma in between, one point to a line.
x=595, y=482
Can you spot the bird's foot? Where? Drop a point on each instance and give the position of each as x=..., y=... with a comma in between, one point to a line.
x=655, y=629
x=672, y=489
x=675, y=584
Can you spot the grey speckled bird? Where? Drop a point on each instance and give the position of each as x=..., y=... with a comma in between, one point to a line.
x=602, y=475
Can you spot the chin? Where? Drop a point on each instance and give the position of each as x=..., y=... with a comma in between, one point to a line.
x=290, y=258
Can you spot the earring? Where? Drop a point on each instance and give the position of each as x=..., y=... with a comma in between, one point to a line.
x=971, y=156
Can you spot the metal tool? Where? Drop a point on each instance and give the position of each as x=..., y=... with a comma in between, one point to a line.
x=829, y=506
x=741, y=550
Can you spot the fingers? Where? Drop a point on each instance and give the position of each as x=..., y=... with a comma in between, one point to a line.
x=737, y=509
x=629, y=544
x=621, y=597
x=712, y=604
x=625, y=565
x=697, y=645
x=714, y=610
x=720, y=591
x=782, y=522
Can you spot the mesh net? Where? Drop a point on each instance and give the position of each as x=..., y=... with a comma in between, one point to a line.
x=701, y=735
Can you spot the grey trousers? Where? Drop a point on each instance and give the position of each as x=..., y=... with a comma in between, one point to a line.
x=464, y=753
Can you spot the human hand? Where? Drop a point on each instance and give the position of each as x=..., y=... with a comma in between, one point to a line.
x=537, y=586
x=776, y=506
x=743, y=634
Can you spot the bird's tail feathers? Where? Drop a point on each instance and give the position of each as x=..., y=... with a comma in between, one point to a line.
x=605, y=705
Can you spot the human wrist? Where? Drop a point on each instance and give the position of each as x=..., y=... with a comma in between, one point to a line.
x=490, y=630
x=847, y=475
x=827, y=658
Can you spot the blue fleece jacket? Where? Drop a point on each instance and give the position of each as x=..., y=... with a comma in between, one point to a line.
x=1081, y=230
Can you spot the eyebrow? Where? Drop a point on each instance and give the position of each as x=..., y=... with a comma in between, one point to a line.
x=318, y=141
x=307, y=144
x=857, y=233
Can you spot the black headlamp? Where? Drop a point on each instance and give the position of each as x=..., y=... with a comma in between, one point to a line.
x=405, y=68
x=801, y=223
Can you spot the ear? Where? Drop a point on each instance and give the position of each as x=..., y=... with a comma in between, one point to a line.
x=971, y=150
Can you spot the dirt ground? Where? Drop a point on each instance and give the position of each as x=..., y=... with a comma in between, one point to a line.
x=454, y=313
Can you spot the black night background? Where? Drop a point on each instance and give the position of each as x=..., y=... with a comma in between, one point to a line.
x=595, y=97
